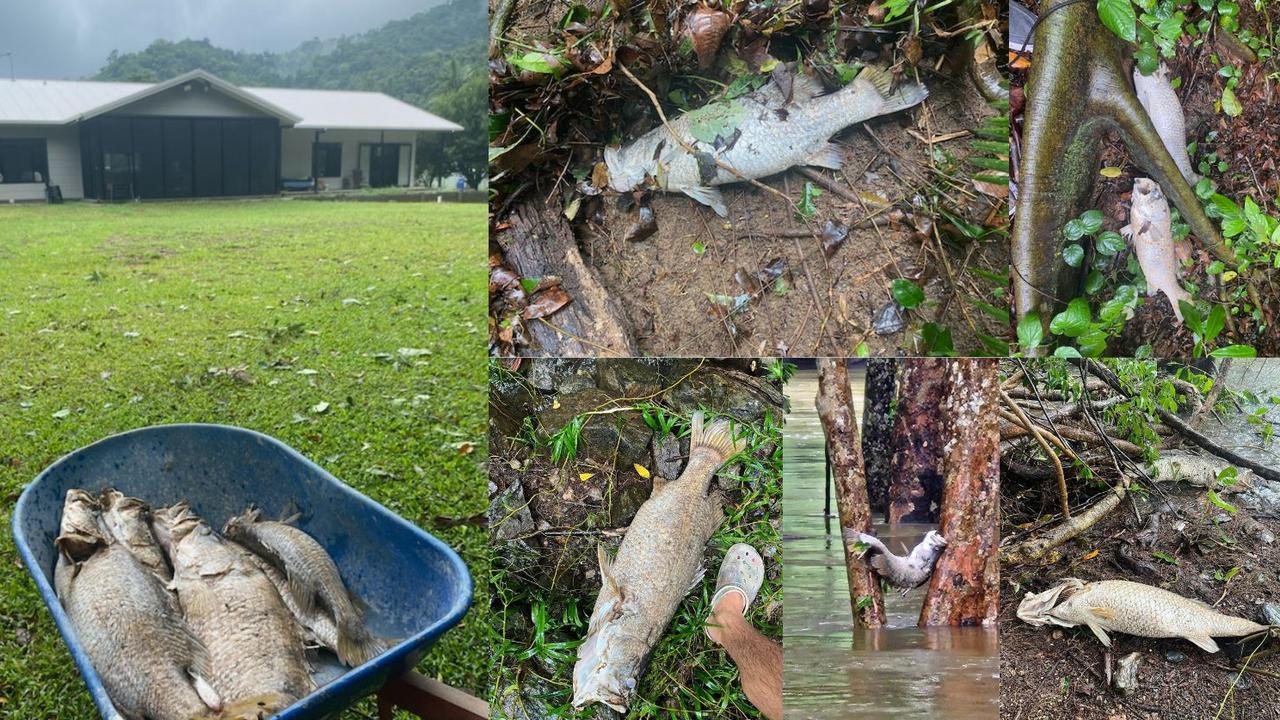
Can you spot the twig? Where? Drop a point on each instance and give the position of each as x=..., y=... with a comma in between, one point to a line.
x=1044, y=445
x=1036, y=548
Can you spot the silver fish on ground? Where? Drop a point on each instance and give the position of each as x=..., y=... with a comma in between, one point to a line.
x=1134, y=609
x=757, y=135
x=904, y=573
x=658, y=563
x=1150, y=229
x=313, y=579
x=255, y=648
x=151, y=664
x=1162, y=106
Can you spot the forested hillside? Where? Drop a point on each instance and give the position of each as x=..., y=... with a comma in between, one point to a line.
x=435, y=60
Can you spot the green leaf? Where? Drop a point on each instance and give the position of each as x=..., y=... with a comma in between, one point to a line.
x=699, y=248
x=1165, y=557
x=530, y=284
x=1235, y=351
x=1119, y=17
x=1215, y=322
x=807, y=209
x=1073, y=255
x=1215, y=268
x=1066, y=351
x=862, y=350
x=1228, y=475
x=1093, y=282
x=1073, y=230
x=1147, y=58
x=1093, y=343
x=1073, y=321
x=537, y=61
x=1092, y=221
x=1126, y=298
x=1213, y=498
x=908, y=294
x=937, y=339
x=1192, y=317
x=1030, y=332
x=1230, y=105
x=1109, y=243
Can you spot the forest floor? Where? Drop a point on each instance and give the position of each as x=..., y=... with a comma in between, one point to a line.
x=899, y=252
x=349, y=332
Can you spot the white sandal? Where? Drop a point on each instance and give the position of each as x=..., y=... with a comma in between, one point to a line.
x=741, y=571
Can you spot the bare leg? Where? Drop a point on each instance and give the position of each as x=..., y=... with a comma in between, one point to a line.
x=758, y=658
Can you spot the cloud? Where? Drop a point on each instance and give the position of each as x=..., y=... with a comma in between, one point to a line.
x=72, y=38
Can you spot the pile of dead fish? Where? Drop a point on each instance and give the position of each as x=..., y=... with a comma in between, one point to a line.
x=182, y=622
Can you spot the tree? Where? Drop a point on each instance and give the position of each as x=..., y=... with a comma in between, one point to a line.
x=965, y=586
x=919, y=441
x=835, y=410
x=877, y=429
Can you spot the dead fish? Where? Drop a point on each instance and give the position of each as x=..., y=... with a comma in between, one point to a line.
x=759, y=134
x=1150, y=229
x=314, y=580
x=1162, y=106
x=151, y=664
x=657, y=565
x=129, y=521
x=1199, y=471
x=904, y=573
x=320, y=629
x=1134, y=609
x=255, y=648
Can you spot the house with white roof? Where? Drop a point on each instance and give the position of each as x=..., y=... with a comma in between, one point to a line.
x=197, y=135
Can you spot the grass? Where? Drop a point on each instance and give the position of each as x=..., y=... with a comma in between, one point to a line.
x=117, y=317
x=692, y=676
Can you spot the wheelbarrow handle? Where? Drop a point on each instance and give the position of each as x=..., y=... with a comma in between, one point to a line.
x=429, y=698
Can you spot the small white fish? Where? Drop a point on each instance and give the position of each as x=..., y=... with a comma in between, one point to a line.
x=757, y=135
x=1150, y=229
x=1162, y=106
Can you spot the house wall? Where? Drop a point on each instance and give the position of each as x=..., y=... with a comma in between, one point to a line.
x=63, y=143
x=176, y=102
x=296, y=152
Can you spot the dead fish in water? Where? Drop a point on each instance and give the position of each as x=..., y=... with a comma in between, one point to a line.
x=313, y=578
x=254, y=646
x=759, y=134
x=1162, y=106
x=151, y=664
x=129, y=521
x=659, y=562
x=904, y=573
x=1134, y=609
x=1150, y=229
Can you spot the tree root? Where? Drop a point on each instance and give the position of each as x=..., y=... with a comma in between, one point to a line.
x=1040, y=548
x=1022, y=419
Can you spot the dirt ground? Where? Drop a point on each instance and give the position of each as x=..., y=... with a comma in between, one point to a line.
x=1052, y=673
x=674, y=288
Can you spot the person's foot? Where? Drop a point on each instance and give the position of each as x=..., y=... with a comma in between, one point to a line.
x=740, y=577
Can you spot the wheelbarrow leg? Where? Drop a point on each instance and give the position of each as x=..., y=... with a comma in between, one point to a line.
x=429, y=698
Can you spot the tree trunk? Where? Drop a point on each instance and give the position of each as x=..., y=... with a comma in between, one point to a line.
x=877, y=430
x=835, y=409
x=965, y=587
x=920, y=436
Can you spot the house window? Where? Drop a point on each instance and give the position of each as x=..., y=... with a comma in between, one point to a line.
x=23, y=161
x=328, y=159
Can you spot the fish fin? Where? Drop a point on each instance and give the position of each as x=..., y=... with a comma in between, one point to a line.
x=1127, y=231
x=304, y=592
x=207, y=694
x=697, y=578
x=1102, y=634
x=878, y=78
x=355, y=645
x=1204, y=642
x=607, y=581
x=804, y=87
x=716, y=436
x=1104, y=613
x=200, y=670
x=881, y=81
x=708, y=196
x=828, y=156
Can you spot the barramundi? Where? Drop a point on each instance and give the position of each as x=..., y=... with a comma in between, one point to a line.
x=1150, y=229
x=658, y=563
x=755, y=135
x=1134, y=609
x=1156, y=94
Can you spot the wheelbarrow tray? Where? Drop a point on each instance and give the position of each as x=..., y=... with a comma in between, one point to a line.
x=414, y=585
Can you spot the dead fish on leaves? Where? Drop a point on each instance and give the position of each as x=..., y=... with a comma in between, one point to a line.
x=1161, y=103
x=659, y=562
x=314, y=584
x=1150, y=229
x=756, y=135
x=256, y=651
x=904, y=573
x=1134, y=609
x=152, y=665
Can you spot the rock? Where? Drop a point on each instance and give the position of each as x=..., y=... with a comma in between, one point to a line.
x=731, y=392
x=638, y=378
x=1271, y=613
x=1241, y=680
x=562, y=376
x=667, y=456
x=508, y=513
x=532, y=698
x=1174, y=656
x=1125, y=678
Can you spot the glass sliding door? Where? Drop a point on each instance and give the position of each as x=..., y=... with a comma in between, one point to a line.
x=264, y=165
x=148, y=158
x=235, y=157
x=178, y=180
x=207, y=137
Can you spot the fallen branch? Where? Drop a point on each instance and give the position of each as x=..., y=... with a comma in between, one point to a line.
x=1178, y=424
x=1034, y=549
x=1071, y=432
x=1044, y=445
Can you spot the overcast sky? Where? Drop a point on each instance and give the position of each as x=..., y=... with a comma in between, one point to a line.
x=67, y=39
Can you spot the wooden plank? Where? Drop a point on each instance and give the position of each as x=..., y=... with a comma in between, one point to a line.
x=429, y=698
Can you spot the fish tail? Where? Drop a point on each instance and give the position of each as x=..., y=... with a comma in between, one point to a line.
x=256, y=707
x=356, y=646
x=717, y=436
x=892, y=99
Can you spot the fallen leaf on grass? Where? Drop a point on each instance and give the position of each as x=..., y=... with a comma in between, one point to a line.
x=465, y=448
x=64, y=412
x=352, y=301
x=585, y=476
x=379, y=472
x=320, y=408
x=413, y=352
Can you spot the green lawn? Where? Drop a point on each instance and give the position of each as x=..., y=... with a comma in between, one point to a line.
x=117, y=317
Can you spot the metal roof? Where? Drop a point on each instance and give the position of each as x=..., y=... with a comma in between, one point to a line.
x=60, y=102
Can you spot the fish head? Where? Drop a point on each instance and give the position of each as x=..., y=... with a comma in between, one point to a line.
x=625, y=173
x=609, y=666
x=173, y=524
x=237, y=525
x=1038, y=608
x=80, y=532
x=129, y=521
x=1149, y=203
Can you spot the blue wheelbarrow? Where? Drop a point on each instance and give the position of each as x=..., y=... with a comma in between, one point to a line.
x=415, y=586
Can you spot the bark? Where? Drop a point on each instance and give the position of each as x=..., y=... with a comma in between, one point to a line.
x=965, y=586
x=919, y=442
x=877, y=429
x=835, y=409
x=540, y=243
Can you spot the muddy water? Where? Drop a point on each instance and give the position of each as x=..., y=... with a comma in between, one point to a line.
x=833, y=671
